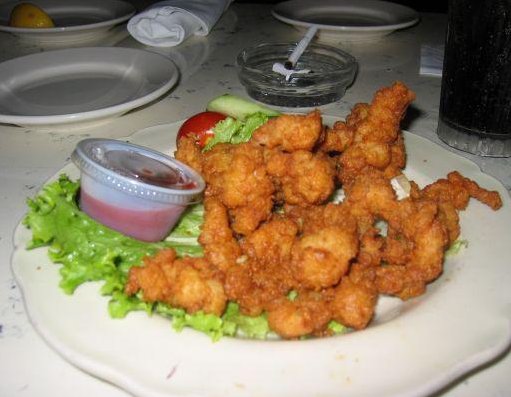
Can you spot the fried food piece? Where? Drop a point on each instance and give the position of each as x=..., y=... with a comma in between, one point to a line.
x=342, y=134
x=263, y=275
x=371, y=250
x=353, y=304
x=290, y=132
x=303, y=178
x=307, y=314
x=376, y=133
x=320, y=259
x=189, y=283
x=255, y=285
x=272, y=241
x=453, y=194
x=221, y=249
x=370, y=197
x=337, y=138
x=416, y=238
x=417, y=223
x=189, y=153
x=458, y=189
x=327, y=244
x=315, y=218
x=236, y=174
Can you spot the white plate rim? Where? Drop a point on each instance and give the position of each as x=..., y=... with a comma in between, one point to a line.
x=97, y=113
x=129, y=12
x=277, y=13
x=88, y=361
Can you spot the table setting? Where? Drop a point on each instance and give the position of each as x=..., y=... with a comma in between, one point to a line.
x=101, y=93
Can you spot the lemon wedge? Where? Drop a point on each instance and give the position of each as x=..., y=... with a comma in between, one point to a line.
x=27, y=15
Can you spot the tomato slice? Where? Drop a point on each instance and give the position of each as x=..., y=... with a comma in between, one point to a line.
x=200, y=126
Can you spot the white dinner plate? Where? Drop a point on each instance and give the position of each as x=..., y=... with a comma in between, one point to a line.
x=412, y=348
x=72, y=88
x=346, y=20
x=75, y=20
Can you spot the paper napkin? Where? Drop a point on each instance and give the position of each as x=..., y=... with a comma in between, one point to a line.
x=168, y=23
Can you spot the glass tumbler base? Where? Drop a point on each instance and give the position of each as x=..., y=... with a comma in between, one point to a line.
x=474, y=143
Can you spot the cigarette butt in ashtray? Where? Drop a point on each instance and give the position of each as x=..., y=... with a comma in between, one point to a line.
x=287, y=68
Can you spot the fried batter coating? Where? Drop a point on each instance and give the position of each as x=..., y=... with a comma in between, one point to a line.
x=188, y=152
x=315, y=218
x=353, y=304
x=272, y=241
x=255, y=285
x=416, y=239
x=453, y=194
x=308, y=314
x=263, y=275
x=376, y=133
x=236, y=174
x=337, y=138
x=304, y=178
x=290, y=132
x=457, y=189
x=320, y=259
x=424, y=240
x=189, y=283
x=221, y=249
x=370, y=197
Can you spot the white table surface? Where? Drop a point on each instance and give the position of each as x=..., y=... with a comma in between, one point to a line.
x=28, y=367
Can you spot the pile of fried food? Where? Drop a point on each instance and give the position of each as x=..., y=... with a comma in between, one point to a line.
x=271, y=227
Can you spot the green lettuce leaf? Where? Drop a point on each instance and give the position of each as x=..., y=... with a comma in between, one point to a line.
x=456, y=247
x=235, y=131
x=250, y=327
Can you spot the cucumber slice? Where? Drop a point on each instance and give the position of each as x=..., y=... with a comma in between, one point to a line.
x=239, y=108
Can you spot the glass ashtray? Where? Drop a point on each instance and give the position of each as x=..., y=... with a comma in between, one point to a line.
x=332, y=71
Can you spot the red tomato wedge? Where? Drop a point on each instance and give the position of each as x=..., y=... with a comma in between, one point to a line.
x=200, y=126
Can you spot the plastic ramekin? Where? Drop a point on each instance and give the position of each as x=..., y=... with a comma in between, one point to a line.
x=132, y=189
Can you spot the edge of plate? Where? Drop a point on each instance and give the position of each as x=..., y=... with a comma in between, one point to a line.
x=351, y=29
x=86, y=27
x=34, y=121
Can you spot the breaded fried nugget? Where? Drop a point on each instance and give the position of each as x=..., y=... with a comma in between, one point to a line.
x=236, y=175
x=320, y=259
x=253, y=284
x=189, y=283
x=307, y=314
x=417, y=223
x=303, y=178
x=353, y=304
x=458, y=189
x=221, y=249
x=453, y=194
x=376, y=133
x=272, y=241
x=262, y=274
x=189, y=153
x=290, y=132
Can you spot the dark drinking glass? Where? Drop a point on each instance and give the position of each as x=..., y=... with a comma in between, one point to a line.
x=475, y=101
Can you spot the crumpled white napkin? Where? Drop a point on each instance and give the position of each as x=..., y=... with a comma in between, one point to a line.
x=432, y=60
x=168, y=23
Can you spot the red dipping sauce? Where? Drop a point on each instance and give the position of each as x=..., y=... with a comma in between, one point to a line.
x=134, y=190
x=142, y=224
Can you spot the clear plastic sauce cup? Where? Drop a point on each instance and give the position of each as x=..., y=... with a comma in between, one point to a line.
x=132, y=189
